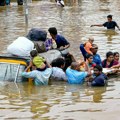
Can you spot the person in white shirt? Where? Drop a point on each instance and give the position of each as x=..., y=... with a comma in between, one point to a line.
x=57, y=69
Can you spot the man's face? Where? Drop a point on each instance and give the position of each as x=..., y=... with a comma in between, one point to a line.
x=109, y=19
x=94, y=50
x=97, y=72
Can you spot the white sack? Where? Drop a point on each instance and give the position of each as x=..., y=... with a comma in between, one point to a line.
x=21, y=47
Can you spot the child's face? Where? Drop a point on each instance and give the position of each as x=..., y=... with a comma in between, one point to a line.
x=96, y=72
x=90, y=59
x=91, y=41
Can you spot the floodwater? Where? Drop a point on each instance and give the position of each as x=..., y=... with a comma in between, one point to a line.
x=61, y=101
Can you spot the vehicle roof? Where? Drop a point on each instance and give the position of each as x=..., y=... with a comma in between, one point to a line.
x=9, y=56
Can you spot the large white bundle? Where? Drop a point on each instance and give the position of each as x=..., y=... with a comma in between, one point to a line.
x=21, y=47
x=51, y=55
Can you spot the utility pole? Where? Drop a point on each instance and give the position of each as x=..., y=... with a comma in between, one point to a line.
x=26, y=11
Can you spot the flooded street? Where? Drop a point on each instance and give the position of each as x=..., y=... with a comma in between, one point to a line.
x=62, y=101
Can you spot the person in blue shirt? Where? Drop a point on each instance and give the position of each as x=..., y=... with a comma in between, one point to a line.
x=109, y=24
x=74, y=75
x=99, y=78
x=96, y=57
x=61, y=42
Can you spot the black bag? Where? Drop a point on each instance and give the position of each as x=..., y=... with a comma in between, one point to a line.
x=36, y=34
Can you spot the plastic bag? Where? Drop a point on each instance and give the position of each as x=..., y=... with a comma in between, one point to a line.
x=21, y=47
x=36, y=34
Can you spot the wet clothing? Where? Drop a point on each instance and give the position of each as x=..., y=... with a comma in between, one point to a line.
x=61, y=41
x=83, y=51
x=38, y=61
x=105, y=65
x=97, y=59
x=49, y=44
x=87, y=47
x=99, y=80
x=40, y=77
x=75, y=77
x=58, y=74
x=110, y=25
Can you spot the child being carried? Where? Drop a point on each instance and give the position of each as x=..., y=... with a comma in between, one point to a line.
x=38, y=61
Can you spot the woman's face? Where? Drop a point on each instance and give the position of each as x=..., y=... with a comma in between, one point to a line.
x=90, y=59
x=116, y=57
x=110, y=58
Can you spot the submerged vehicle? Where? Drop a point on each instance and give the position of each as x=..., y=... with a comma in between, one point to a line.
x=11, y=68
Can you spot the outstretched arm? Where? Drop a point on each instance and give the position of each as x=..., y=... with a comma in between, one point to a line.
x=118, y=27
x=99, y=25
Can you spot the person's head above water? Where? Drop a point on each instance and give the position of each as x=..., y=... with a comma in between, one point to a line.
x=33, y=53
x=110, y=56
x=75, y=66
x=91, y=40
x=59, y=62
x=116, y=56
x=98, y=70
x=94, y=49
x=89, y=57
x=109, y=17
x=53, y=32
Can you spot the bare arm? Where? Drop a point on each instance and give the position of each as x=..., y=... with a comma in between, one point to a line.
x=99, y=25
x=65, y=47
x=116, y=66
x=118, y=27
x=30, y=65
x=87, y=69
x=48, y=64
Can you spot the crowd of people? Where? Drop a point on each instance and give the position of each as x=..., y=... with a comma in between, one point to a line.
x=66, y=68
x=89, y=70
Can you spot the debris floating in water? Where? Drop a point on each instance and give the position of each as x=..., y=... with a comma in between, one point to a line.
x=60, y=3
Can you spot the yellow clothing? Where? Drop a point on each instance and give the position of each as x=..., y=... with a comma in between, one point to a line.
x=87, y=47
x=38, y=61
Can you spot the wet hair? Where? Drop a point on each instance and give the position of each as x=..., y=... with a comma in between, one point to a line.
x=108, y=54
x=52, y=30
x=115, y=53
x=58, y=62
x=88, y=56
x=94, y=46
x=33, y=53
x=74, y=65
x=109, y=16
x=98, y=67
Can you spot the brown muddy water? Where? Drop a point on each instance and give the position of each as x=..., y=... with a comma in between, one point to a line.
x=61, y=101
